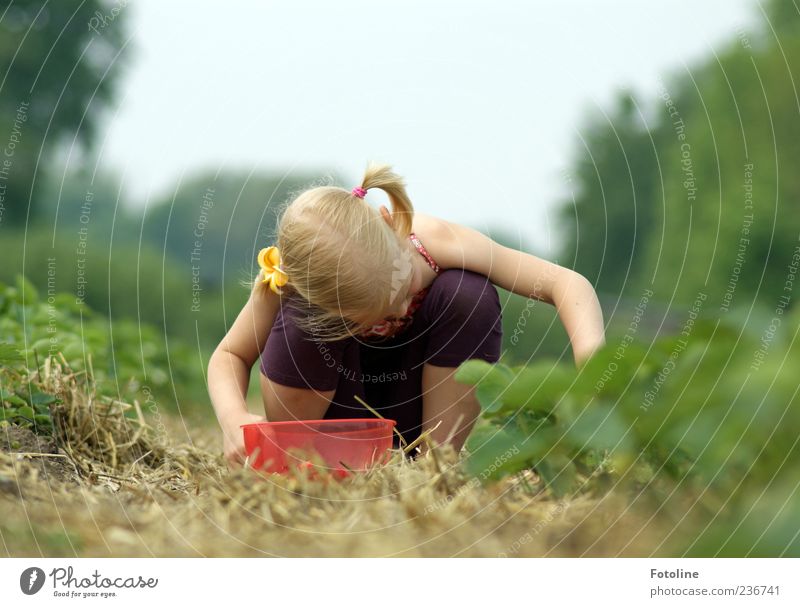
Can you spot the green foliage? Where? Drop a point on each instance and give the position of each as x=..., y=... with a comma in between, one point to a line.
x=690, y=408
x=10, y=355
x=761, y=525
x=218, y=222
x=58, y=75
x=122, y=283
x=121, y=356
x=659, y=186
x=23, y=406
x=684, y=195
x=532, y=330
x=609, y=218
x=178, y=263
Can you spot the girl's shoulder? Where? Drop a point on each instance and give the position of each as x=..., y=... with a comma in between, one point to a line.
x=436, y=235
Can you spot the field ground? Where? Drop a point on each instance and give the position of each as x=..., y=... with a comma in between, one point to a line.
x=108, y=484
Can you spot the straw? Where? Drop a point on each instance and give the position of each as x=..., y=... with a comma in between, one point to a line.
x=122, y=489
x=374, y=412
x=423, y=436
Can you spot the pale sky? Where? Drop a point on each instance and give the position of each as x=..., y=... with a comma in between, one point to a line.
x=478, y=105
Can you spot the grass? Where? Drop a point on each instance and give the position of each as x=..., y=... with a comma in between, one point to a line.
x=108, y=484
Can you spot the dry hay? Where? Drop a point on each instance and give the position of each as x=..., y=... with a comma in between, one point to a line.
x=109, y=484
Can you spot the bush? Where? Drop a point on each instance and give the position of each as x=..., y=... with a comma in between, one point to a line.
x=123, y=356
x=701, y=411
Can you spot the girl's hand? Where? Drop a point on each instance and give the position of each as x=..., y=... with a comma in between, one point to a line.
x=233, y=438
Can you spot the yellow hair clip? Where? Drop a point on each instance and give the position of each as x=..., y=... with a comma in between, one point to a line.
x=270, y=259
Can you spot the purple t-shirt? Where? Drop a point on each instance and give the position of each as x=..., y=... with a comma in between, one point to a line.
x=459, y=319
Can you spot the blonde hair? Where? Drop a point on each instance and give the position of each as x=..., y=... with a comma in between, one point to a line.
x=339, y=253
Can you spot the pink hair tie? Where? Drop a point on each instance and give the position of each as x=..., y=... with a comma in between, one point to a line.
x=360, y=192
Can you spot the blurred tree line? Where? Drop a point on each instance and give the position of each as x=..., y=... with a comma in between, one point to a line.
x=177, y=262
x=658, y=201
x=59, y=75
x=695, y=190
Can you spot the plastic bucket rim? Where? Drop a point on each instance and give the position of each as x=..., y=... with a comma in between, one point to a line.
x=391, y=422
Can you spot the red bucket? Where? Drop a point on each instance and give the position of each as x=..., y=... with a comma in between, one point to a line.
x=340, y=444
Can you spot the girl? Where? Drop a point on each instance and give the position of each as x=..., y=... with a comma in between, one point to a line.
x=355, y=301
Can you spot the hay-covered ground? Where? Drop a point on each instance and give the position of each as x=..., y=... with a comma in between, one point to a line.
x=109, y=484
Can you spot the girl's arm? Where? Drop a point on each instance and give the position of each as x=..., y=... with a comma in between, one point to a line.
x=530, y=276
x=230, y=364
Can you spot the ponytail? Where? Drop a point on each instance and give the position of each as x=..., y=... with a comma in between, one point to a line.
x=340, y=255
x=382, y=177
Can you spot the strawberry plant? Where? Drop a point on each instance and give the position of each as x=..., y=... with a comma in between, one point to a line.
x=122, y=357
x=695, y=409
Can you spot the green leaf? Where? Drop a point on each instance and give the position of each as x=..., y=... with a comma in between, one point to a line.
x=43, y=420
x=42, y=398
x=73, y=350
x=26, y=289
x=538, y=388
x=491, y=380
x=498, y=452
x=600, y=427
x=10, y=354
x=15, y=400
x=481, y=433
x=558, y=473
x=472, y=371
x=611, y=371
x=41, y=344
x=26, y=412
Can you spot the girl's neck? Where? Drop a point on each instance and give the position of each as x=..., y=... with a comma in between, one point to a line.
x=421, y=267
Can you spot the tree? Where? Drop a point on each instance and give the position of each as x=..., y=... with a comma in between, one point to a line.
x=609, y=218
x=59, y=64
x=701, y=200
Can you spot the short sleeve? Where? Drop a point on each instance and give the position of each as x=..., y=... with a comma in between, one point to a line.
x=464, y=314
x=293, y=358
